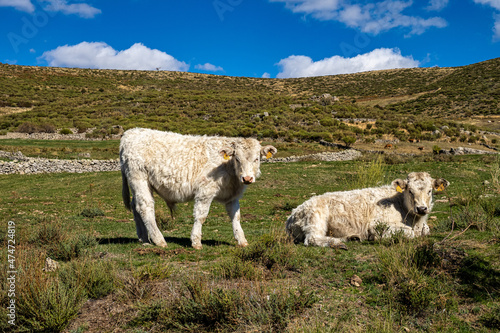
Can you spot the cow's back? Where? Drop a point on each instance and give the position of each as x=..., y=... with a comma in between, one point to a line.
x=348, y=213
x=175, y=165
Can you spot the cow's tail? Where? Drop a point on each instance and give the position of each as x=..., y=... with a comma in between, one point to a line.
x=125, y=191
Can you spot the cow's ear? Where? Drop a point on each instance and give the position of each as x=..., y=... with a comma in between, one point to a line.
x=399, y=185
x=226, y=152
x=440, y=184
x=268, y=151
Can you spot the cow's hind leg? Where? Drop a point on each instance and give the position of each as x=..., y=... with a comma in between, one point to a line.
x=142, y=233
x=144, y=213
x=324, y=241
x=316, y=230
x=233, y=210
x=200, y=213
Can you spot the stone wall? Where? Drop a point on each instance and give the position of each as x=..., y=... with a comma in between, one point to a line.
x=20, y=164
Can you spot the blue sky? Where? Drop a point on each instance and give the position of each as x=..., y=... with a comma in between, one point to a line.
x=252, y=38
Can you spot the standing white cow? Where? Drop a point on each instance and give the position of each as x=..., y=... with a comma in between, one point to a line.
x=332, y=218
x=182, y=168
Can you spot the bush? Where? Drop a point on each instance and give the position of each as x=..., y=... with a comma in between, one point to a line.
x=92, y=212
x=201, y=308
x=274, y=251
x=28, y=128
x=412, y=280
x=97, y=278
x=65, y=131
x=47, y=128
x=371, y=175
x=47, y=304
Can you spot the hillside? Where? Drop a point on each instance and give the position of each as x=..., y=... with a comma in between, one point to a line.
x=405, y=102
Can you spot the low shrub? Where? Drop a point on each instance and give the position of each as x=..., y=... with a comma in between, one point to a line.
x=202, y=308
x=59, y=245
x=412, y=280
x=274, y=251
x=236, y=268
x=97, y=278
x=92, y=212
x=47, y=304
x=65, y=131
x=371, y=175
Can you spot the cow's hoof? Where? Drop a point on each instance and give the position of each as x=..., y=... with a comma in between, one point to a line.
x=147, y=244
x=243, y=244
x=197, y=246
x=163, y=245
x=340, y=246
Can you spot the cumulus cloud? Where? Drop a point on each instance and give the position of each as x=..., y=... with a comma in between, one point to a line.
x=493, y=3
x=81, y=9
x=102, y=56
x=22, y=5
x=437, y=4
x=372, y=17
x=209, y=68
x=383, y=58
x=266, y=75
x=496, y=5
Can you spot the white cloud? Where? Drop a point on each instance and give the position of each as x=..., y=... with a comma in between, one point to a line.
x=372, y=17
x=437, y=4
x=303, y=66
x=496, y=27
x=102, y=56
x=209, y=68
x=81, y=9
x=493, y=3
x=496, y=5
x=266, y=75
x=22, y=5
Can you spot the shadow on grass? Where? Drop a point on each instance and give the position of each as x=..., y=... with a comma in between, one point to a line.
x=479, y=280
x=181, y=241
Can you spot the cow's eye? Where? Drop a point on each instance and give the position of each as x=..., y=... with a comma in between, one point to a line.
x=256, y=160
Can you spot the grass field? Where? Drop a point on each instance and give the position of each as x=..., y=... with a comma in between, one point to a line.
x=107, y=281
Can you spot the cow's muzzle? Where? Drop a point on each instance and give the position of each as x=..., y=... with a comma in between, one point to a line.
x=422, y=210
x=248, y=180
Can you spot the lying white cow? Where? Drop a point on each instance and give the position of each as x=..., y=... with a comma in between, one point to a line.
x=182, y=168
x=332, y=218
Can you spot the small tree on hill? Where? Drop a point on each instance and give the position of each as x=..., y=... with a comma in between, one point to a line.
x=348, y=140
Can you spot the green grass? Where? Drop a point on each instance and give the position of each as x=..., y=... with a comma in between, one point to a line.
x=447, y=282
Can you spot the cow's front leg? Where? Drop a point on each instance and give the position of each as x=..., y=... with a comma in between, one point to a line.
x=200, y=213
x=233, y=210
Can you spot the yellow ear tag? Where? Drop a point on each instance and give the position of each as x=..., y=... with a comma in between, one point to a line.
x=226, y=157
x=269, y=155
x=399, y=189
x=440, y=188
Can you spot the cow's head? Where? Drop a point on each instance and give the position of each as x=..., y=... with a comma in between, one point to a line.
x=243, y=158
x=417, y=191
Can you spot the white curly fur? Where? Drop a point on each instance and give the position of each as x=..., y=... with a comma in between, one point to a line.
x=333, y=218
x=182, y=168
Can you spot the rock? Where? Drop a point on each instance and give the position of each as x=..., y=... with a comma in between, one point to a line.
x=356, y=281
x=50, y=265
